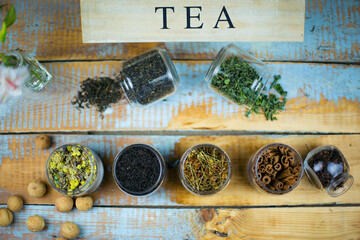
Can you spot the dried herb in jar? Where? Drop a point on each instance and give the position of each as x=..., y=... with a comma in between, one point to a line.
x=236, y=79
x=149, y=78
x=100, y=92
x=206, y=169
x=70, y=168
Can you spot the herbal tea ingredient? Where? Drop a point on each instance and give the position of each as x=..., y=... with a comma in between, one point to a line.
x=235, y=80
x=69, y=230
x=36, y=189
x=277, y=169
x=64, y=203
x=148, y=75
x=6, y=217
x=70, y=168
x=206, y=169
x=100, y=92
x=15, y=203
x=35, y=223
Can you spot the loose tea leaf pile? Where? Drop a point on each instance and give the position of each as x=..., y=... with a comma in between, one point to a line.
x=100, y=92
x=137, y=169
x=235, y=80
x=206, y=169
x=277, y=169
x=327, y=164
x=70, y=168
x=149, y=77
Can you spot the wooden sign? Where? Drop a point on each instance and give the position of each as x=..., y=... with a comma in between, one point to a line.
x=184, y=21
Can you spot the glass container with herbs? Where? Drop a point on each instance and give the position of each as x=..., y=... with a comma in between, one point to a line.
x=205, y=169
x=74, y=170
x=327, y=169
x=246, y=81
x=148, y=78
x=275, y=168
x=139, y=169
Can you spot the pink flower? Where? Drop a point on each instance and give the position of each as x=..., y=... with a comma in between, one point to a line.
x=11, y=81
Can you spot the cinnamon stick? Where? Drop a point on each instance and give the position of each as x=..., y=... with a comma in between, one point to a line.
x=269, y=168
x=285, y=173
x=278, y=167
x=284, y=161
x=277, y=184
x=266, y=179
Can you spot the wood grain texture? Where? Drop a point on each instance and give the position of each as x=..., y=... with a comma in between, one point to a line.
x=51, y=30
x=321, y=98
x=19, y=158
x=215, y=224
x=262, y=20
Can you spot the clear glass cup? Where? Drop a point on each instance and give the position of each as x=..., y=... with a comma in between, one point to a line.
x=148, y=78
x=333, y=175
x=158, y=183
x=259, y=85
x=183, y=178
x=95, y=179
x=39, y=76
x=254, y=175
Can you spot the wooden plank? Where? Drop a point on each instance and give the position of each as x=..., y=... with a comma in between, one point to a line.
x=321, y=98
x=148, y=223
x=51, y=30
x=264, y=20
x=20, y=158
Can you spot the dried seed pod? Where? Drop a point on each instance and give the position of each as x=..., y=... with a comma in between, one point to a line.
x=69, y=230
x=6, y=217
x=36, y=189
x=35, y=223
x=15, y=203
x=42, y=141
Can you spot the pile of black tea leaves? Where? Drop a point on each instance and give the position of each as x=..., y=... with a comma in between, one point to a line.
x=100, y=92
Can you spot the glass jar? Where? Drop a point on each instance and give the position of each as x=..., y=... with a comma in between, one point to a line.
x=148, y=78
x=138, y=161
x=39, y=76
x=182, y=167
x=327, y=169
x=275, y=169
x=95, y=170
x=221, y=77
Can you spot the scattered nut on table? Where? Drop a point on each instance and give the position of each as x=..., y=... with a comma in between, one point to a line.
x=69, y=230
x=36, y=189
x=64, y=203
x=15, y=203
x=6, y=217
x=42, y=141
x=35, y=223
x=84, y=203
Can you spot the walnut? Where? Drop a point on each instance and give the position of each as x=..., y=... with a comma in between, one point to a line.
x=6, y=217
x=69, y=230
x=36, y=189
x=64, y=204
x=35, y=223
x=42, y=141
x=84, y=203
x=15, y=203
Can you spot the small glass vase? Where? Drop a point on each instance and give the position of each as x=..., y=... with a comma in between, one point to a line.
x=39, y=76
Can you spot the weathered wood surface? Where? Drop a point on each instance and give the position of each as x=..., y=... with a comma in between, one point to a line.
x=215, y=224
x=321, y=98
x=261, y=20
x=19, y=158
x=51, y=30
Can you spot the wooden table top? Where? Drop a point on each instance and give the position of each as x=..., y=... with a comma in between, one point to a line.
x=321, y=75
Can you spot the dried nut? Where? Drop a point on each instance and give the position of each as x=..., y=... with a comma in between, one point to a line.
x=36, y=189
x=6, y=217
x=64, y=204
x=42, y=141
x=61, y=238
x=15, y=203
x=84, y=203
x=35, y=223
x=69, y=230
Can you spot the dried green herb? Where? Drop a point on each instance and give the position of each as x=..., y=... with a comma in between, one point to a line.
x=206, y=169
x=70, y=168
x=100, y=92
x=236, y=79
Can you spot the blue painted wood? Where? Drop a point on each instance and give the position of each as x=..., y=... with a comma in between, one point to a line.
x=51, y=30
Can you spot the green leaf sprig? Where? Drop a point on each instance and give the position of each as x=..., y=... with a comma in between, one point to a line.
x=9, y=19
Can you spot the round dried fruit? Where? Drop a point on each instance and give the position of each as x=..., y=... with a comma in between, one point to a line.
x=64, y=204
x=84, y=203
x=36, y=189
x=69, y=230
x=15, y=203
x=42, y=141
x=35, y=223
x=6, y=217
